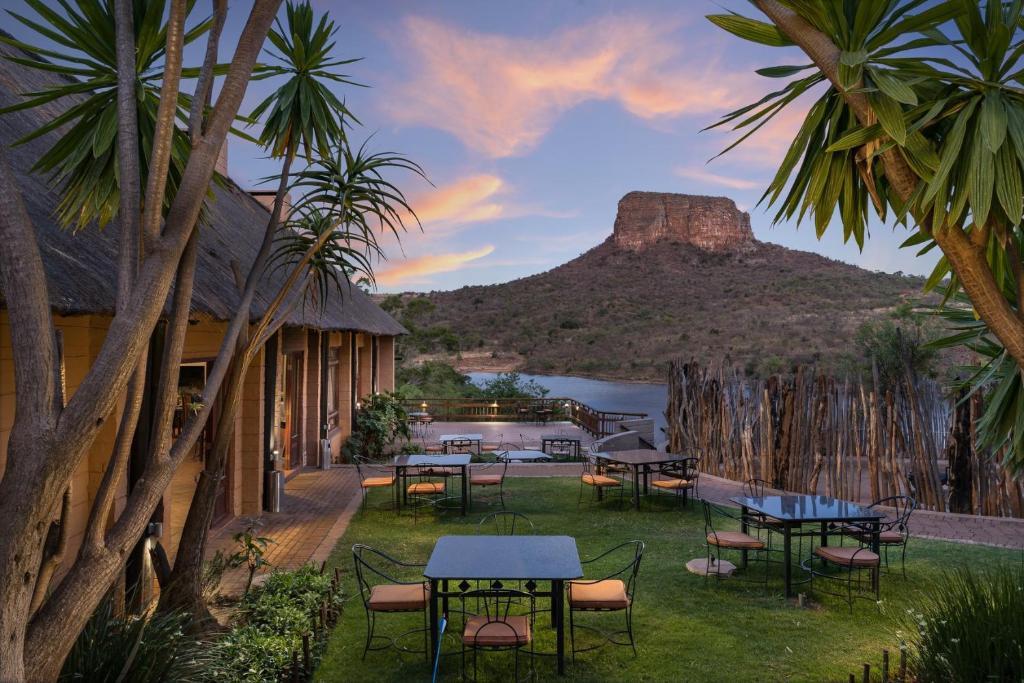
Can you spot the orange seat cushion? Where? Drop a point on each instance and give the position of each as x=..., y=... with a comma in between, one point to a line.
x=397, y=597
x=599, y=480
x=734, y=539
x=371, y=482
x=672, y=484
x=426, y=487
x=606, y=594
x=889, y=537
x=848, y=556
x=485, y=479
x=512, y=631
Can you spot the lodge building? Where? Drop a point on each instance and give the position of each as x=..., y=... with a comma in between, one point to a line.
x=300, y=392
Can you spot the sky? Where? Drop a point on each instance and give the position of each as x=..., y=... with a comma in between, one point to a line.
x=533, y=118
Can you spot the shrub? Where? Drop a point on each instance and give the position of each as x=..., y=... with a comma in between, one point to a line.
x=380, y=421
x=160, y=650
x=271, y=622
x=970, y=628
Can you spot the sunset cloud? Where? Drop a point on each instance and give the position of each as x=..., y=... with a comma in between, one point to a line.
x=467, y=200
x=416, y=269
x=702, y=175
x=500, y=95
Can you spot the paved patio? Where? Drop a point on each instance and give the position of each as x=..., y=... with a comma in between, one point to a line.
x=495, y=433
x=318, y=505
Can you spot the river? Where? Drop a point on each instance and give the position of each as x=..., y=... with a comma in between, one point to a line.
x=630, y=397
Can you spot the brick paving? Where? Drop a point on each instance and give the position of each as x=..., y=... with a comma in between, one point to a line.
x=318, y=505
x=315, y=510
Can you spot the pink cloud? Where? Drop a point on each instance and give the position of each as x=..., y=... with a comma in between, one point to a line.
x=466, y=200
x=500, y=95
x=415, y=269
x=702, y=175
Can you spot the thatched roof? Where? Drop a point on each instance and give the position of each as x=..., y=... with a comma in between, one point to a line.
x=81, y=268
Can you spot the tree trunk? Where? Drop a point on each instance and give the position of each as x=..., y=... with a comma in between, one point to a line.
x=184, y=589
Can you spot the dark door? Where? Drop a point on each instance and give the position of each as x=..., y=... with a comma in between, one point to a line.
x=293, y=410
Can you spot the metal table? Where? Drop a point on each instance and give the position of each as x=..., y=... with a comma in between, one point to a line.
x=403, y=462
x=572, y=443
x=789, y=512
x=523, y=456
x=529, y=559
x=448, y=439
x=641, y=461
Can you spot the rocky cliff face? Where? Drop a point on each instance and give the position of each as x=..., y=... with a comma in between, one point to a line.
x=711, y=223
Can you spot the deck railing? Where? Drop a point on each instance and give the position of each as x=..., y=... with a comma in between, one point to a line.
x=598, y=422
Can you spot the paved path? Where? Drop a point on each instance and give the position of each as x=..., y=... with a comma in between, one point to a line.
x=1007, y=532
x=315, y=511
x=318, y=505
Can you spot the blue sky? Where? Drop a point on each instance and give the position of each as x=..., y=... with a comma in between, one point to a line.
x=533, y=118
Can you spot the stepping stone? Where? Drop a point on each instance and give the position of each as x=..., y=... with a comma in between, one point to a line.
x=699, y=567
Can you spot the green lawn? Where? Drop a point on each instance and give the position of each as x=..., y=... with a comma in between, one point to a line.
x=686, y=628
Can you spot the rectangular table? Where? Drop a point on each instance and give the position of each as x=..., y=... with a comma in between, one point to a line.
x=403, y=462
x=641, y=460
x=791, y=511
x=553, y=559
x=572, y=444
x=447, y=439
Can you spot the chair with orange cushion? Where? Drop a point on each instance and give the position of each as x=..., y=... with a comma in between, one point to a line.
x=679, y=478
x=502, y=619
x=383, y=592
x=594, y=477
x=615, y=591
x=374, y=477
x=489, y=476
x=719, y=540
x=427, y=486
x=894, y=530
x=847, y=562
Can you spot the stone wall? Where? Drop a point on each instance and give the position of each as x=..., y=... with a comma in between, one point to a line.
x=711, y=223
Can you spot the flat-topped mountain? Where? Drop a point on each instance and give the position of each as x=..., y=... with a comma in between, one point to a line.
x=711, y=223
x=681, y=276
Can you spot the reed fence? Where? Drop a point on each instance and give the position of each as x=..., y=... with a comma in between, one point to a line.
x=812, y=433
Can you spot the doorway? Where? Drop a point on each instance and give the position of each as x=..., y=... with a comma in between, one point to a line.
x=293, y=410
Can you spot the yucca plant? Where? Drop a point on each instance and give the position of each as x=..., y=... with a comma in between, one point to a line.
x=83, y=161
x=921, y=120
x=969, y=627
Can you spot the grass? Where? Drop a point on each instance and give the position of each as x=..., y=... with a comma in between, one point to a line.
x=686, y=628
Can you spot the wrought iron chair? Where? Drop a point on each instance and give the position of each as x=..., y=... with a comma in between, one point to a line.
x=593, y=477
x=849, y=562
x=755, y=488
x=679, y=478
x=489, y=476
x=373, y=476
x=718, y=540
x=505, y=523
x=615, y=591
x=499, y=625
x=459, y=446
x=383, y=592
x=424, y=490
x=893, y=531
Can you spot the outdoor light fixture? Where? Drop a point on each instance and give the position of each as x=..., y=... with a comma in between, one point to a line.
x=423, y=405
x=155, y=529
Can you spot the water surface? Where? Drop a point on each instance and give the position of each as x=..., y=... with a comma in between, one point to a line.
x=602, y=394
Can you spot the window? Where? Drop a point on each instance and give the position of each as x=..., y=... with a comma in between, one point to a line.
x=332, y=390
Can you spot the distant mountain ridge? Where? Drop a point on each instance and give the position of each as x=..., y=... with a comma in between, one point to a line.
x=680, y=276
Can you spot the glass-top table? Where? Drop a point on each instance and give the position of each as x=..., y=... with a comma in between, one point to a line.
x=641, y=461
x=459, y=462
x=548, y=559
x=470, y=440
x=570, y=443
x=522, y=456
x=790, y=511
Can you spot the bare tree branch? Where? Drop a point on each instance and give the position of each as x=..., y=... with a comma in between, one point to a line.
x=54, y=560
x=204, y=85
x=166, y=115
